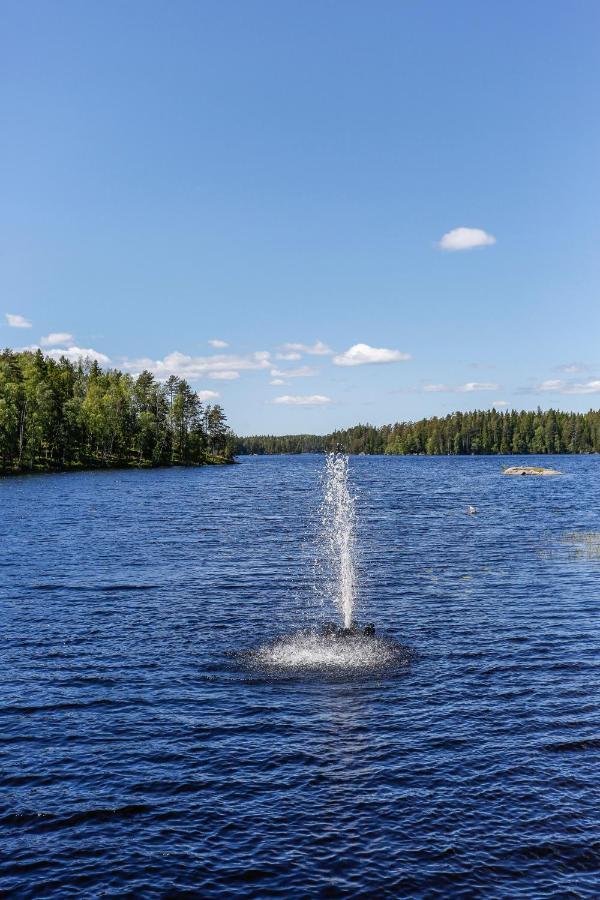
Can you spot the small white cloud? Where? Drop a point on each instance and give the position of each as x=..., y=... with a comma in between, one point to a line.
x=477, y=386
x=277, y=381
x=558, y=386
x=56, y=338
x=207, y=395
x=290, y=356
x=587, y=387
x=218, y=344
x=225, y=375
x=551, y=384
x=295, y=400
x=300, y=372
x=436, y=388
x=194, y=367
x=499, y=404
x=363, y=355
x=316, y=349
x=16, y=321
x=467, y=388
x=573, y=368
x=74, y=354
x=465, y=239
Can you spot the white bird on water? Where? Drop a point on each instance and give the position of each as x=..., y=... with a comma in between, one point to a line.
x=472, y=510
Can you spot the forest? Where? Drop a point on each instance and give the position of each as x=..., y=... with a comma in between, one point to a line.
x=460, y=433
x=63, y=415
x=56, y=414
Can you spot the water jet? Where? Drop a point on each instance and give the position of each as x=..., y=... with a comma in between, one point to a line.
x=346, y=645
x=338, y=521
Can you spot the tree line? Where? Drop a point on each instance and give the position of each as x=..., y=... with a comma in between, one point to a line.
x=460, y=433
x=56, y=414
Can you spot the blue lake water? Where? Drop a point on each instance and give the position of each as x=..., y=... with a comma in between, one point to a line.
x=141, y=756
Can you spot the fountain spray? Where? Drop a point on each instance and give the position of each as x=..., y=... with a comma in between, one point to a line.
x=338, y=517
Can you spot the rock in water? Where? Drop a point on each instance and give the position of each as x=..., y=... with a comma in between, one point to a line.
x=530, y=470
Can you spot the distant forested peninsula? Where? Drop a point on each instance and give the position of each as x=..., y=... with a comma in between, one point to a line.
x=56, y=414
x=458, y=434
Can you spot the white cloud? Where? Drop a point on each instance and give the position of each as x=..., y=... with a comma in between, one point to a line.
x=291, y=356
x=436, y=388
x=16, y=321
x=499, y=403
x=311, y=400
x=362, y=355
x=225, y=375
x=557, y=386
x=551, y=384
x=218, y=344
x=587, y=387
x=277, y=381
x=316, y=349
x=573, y=368
x=56, y=338
x=477, y=386
x=465, y=239
x=300, y=372
x=207, y=395
x=194, y=367
x=467, y=388
x=74, y=354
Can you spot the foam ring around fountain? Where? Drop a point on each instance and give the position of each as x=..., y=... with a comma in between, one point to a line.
x=314, y=651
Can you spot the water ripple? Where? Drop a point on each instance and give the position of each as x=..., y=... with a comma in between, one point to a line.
x=142, y=756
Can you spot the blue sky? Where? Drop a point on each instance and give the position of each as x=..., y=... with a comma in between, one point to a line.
x=265, y=174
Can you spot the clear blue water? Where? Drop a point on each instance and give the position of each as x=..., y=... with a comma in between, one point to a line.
x=140, y=756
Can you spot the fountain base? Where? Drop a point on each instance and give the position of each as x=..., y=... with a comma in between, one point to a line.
x=330, y=629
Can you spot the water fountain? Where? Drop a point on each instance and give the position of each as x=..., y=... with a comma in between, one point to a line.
x=344, y=646
x=338, y=526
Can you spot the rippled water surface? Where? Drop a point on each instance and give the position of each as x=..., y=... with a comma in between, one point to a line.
x=142, y=754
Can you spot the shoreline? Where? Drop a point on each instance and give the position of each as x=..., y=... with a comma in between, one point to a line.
x=108, y=466
x=426, y=455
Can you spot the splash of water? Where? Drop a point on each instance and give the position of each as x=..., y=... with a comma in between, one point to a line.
x=311, y=651
x=332, y=649
x=338, y=519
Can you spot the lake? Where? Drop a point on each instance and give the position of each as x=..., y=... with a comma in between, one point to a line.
x=142, y=755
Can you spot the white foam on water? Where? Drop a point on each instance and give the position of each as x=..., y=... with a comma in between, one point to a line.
x=306, y=650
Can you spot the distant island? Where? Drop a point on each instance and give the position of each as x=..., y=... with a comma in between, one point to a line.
x=57, y=415
x=458, y=434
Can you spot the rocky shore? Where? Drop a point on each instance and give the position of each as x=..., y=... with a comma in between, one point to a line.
x=530, y=470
